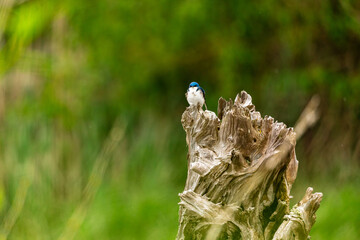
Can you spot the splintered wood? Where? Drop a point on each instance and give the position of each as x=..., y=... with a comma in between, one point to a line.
x=240, y=171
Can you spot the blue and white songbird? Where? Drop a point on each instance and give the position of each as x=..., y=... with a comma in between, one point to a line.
x=195, y=95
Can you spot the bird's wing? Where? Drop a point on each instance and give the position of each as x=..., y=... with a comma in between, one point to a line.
x=203, y=91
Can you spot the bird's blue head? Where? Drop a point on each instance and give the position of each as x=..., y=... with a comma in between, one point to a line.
x=194, y=84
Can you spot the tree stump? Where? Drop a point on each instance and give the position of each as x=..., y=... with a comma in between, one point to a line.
x=240, y=171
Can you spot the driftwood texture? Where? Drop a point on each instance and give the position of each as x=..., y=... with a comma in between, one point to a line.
x=240, y=171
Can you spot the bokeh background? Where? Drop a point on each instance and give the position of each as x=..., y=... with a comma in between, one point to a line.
x=92, y=92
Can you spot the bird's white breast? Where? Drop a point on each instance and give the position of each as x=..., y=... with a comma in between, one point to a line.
x=195, y=96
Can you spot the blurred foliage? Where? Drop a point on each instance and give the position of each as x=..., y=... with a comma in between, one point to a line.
x=69, y=69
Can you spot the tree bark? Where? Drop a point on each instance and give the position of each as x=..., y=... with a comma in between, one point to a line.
x=240, y=171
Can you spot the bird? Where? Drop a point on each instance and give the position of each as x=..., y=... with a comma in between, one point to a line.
x=195, y=95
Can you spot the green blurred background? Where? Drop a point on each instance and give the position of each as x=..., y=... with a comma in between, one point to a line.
x=92, y=92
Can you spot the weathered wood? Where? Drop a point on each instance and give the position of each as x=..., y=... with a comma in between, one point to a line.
x=240, y=171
